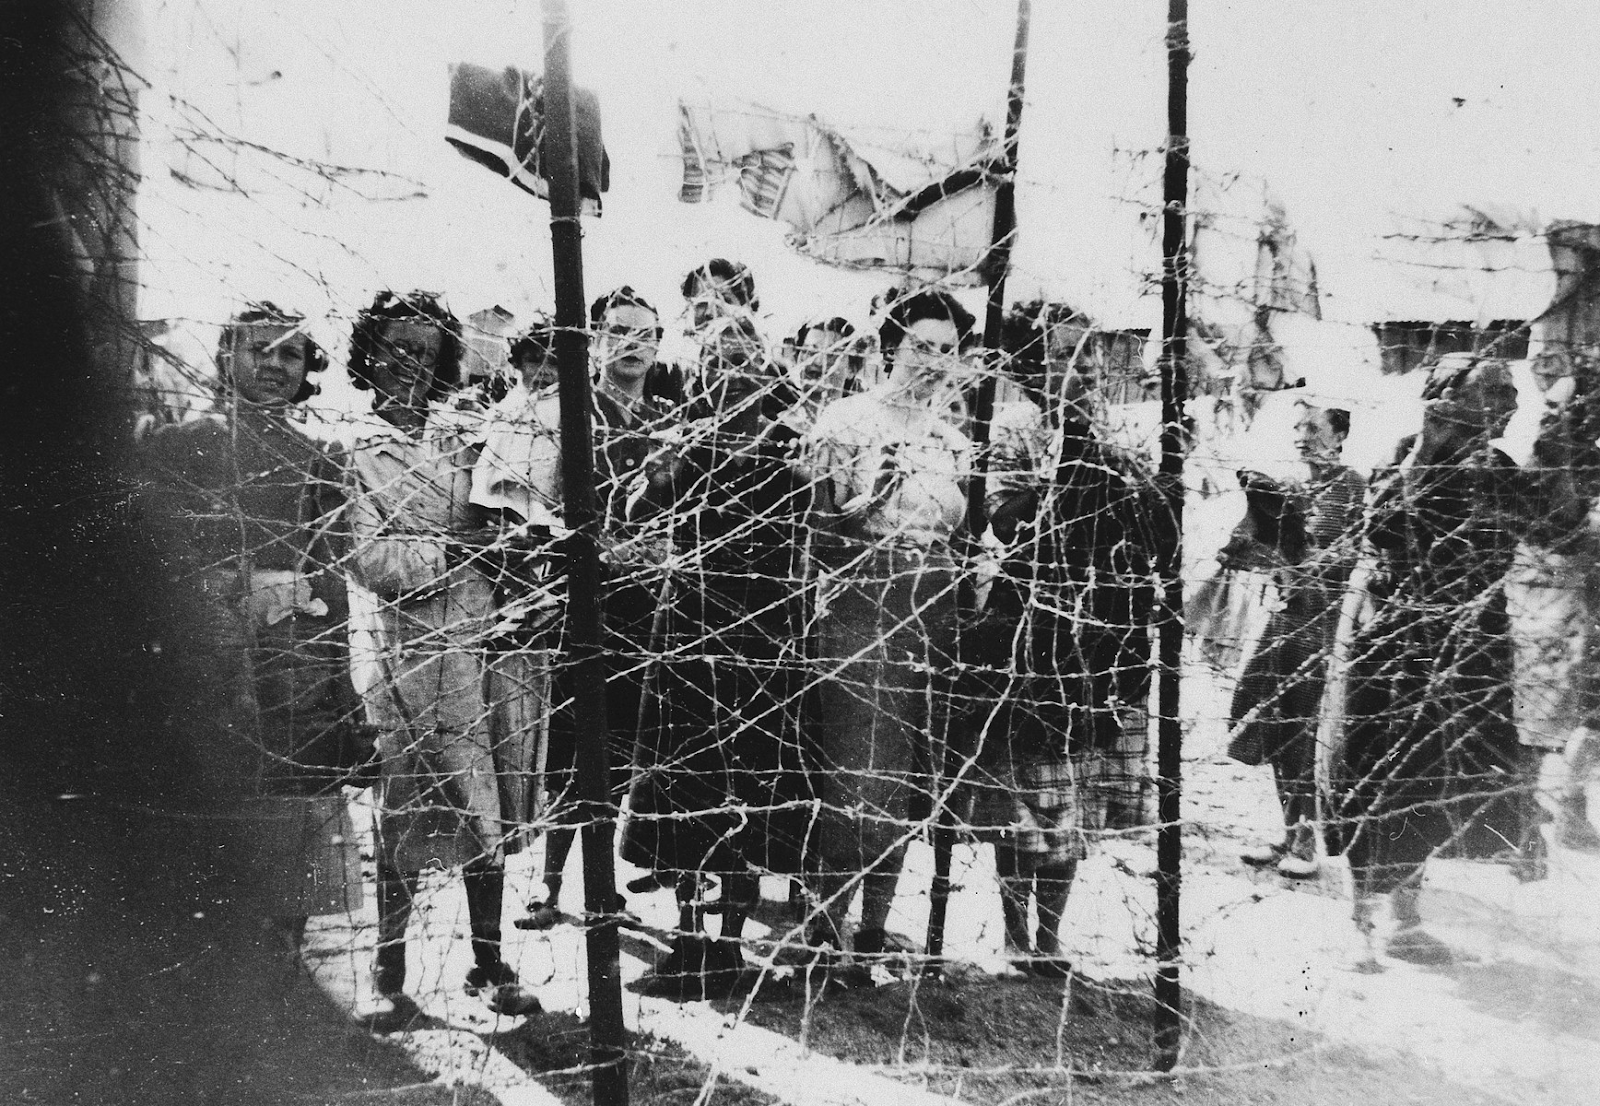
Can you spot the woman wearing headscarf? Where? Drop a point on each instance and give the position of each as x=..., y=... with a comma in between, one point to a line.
x=1430, y=762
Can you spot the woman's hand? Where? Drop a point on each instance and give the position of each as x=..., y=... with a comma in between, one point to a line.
x=888, y=480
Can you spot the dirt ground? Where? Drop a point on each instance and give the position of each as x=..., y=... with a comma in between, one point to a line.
x=555, y=1049
x=1276, y=1014
x=1012, y=1041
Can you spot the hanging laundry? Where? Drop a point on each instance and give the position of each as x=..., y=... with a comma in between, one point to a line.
x=849, y=199
x=497, y=120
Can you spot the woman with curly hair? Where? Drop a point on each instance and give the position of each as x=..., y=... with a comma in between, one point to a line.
x=889, y=479
x=428, y=608
x=248, y=511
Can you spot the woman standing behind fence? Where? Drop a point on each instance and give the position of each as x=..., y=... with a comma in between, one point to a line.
x=249, y=512
x=889, y=477
x=1068, y=625
x=1430, y=761
x=1278, y=701
x=723, y=789
x=429, y=608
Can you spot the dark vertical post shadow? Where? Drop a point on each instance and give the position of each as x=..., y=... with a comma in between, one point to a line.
x=606, y=1027
x=996, y=265
x=1174, y=394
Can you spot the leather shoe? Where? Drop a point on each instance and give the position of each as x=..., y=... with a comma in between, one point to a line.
x=501, y=991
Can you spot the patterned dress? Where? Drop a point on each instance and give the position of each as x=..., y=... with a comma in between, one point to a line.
x=1071, y=616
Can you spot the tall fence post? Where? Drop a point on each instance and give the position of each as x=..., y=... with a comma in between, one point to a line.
x=997, y=264
x=1174, y=394
x=606, y=1029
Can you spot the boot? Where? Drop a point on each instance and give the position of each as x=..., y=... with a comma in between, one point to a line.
x=396, y=893
x=394, y=1009
x=1262, y=856
x=501, y=991
x=1300, y=861
x=696, y=967
x=492, y=977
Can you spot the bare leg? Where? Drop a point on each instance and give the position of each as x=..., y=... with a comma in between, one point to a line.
x=1263, y=855
x=1574, y=830
x=1362, y=912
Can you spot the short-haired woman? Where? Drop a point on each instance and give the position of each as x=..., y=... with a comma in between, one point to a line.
x=1278, y=700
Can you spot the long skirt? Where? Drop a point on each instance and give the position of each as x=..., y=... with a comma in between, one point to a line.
x=1277, y=703
x=886, y=641
x=722, y=781
x=1431, y=763
x=630, y=609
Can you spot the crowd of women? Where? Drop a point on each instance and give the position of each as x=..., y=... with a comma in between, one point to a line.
x=812, y=653
x=1427, y=754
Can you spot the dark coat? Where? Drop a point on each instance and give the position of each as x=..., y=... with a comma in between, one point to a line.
x=267, y=705
x=1278, y=699
x=1430, y=760
x=1079, y=581
x=723, y=780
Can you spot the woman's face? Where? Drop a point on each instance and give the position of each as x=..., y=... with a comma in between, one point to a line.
x=823, y=351
x=626, y=343
x=268, y=365
x=404, y=362
x=1315, y=437
x=734, y=369
x=928, y=356
x=537, y=373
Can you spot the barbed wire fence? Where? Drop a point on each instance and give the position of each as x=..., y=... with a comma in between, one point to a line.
x=811, y=674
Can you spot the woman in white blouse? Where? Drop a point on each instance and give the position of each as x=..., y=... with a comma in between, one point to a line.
x=890, y=478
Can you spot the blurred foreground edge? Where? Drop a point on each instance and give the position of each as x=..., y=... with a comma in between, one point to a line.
x=131, y=971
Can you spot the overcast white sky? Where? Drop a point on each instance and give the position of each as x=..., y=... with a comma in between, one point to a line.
x=1352, y=110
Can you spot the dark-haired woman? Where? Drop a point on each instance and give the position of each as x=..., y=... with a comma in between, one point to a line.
x=889, y=475
x=723, y=789
x=428, y=608
x=1061, y=749
x=827, y=367
x=248, y=510
x=1278, y=701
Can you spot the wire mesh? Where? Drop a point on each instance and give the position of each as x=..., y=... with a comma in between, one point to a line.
x=812, y=664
